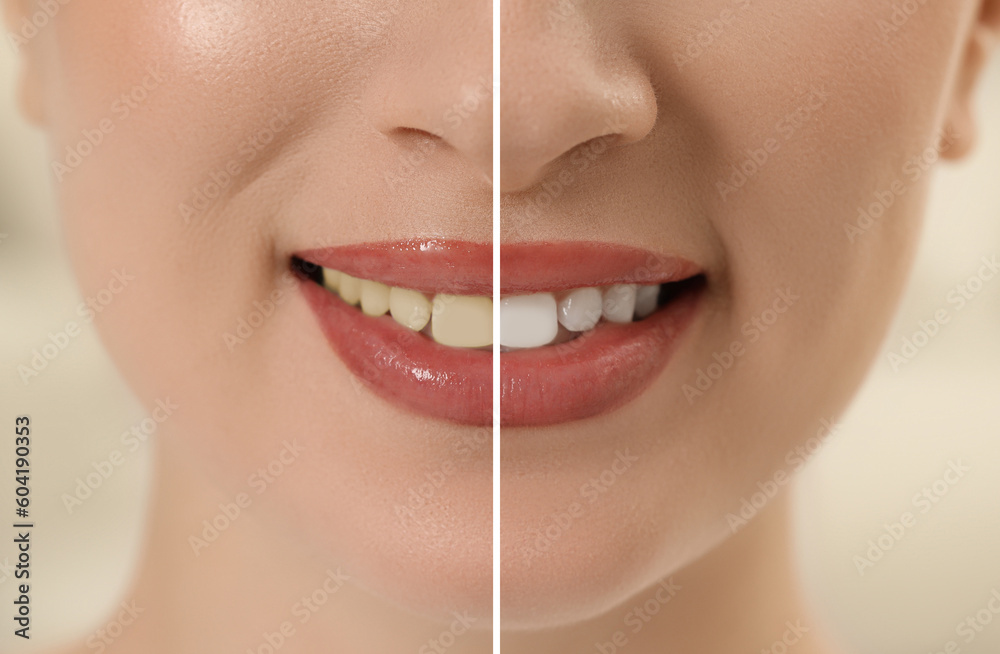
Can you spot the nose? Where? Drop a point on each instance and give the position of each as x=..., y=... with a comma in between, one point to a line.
x=566, y=79
x=434, y=87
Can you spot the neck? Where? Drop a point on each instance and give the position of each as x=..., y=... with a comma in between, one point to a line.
x=254, y=589
x=740, y=597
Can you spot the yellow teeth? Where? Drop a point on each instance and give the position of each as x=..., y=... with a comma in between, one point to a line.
x=455, y=320
x=409, y=308
x=374, y=298
x=349, y=288
x=331, y=280
x=462, y=320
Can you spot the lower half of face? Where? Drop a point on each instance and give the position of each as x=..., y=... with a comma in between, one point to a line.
x=402, y=501
x=193, y=159
x=206, y=161
x=789, y=163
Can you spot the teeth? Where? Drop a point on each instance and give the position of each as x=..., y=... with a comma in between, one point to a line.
x=409, y=308
x=458, y=320
x=350, y=288
x=462, y=320
x=645, y=300
x=374, y=298
x=581, y=309
x=528, y=320
x=619, y=303
x=331, y=279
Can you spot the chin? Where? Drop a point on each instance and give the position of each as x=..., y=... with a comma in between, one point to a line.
x=428, y=554
x=571, y=561
x=434, y=580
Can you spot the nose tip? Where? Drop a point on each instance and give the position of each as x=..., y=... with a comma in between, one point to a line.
x=435, y=94
x=534, y=138
x=423, y=125
x=468, y=124
x=561, y=90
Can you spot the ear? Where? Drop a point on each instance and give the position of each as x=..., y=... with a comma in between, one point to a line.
x=20, y=34
x=980, y=43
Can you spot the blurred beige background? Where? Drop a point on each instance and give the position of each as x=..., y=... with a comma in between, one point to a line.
x=904, y=431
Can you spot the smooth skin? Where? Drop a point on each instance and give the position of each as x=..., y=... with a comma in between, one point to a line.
x=345, y=89
x=634, y=122
x=313, y=103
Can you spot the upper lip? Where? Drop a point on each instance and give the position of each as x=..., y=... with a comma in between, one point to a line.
x=427, y=265
x=562, y=265
x=465, y=268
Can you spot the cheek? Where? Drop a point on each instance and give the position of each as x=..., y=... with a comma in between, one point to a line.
x=825, y=191
x=165, y=120
x=171, y=125
x=807, y=118
x=801, y=116
x=165, y=115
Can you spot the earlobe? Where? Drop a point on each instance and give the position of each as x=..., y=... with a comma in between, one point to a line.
x=960, y=122
x=28, y=88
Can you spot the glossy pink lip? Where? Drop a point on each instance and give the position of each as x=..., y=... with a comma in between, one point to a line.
x=602, y=369
x=595, y=373
x=558, y=266
x=428, y=265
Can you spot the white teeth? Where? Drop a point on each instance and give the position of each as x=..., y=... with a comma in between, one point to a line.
x=528, y=320
x=619, y=303
x=645, y=300
x=409, y=308
x=462, y=320
x=581, y=309
x=525, y=320
x=374, y=298
x=350, y=289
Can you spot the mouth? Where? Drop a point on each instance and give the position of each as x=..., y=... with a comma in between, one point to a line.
x=584, y=327
x=413, y=320
x=606, y=346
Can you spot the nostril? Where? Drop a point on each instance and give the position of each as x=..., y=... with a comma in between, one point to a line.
x=413, y=138
x=596, y=147
x=414, y=133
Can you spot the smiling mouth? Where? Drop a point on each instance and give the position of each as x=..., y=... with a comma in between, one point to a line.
x=526, y=321
x=584, y=327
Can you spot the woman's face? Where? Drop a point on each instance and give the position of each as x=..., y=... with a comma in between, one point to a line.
x=197, y=146
x=288, y=117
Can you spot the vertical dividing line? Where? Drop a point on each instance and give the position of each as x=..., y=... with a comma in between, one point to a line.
x=496, y=326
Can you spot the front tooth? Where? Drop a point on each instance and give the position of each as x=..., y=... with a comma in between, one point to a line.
x=580, y=309
x=374, y=298
x=331, y=279
x=462, y=320
x=409, y=308
x=645, y=300
x=528, y=320
x=350, y=289
x=619, y=303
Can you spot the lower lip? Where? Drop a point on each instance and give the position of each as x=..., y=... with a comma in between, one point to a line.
x=405, y=367
x=595, y=373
